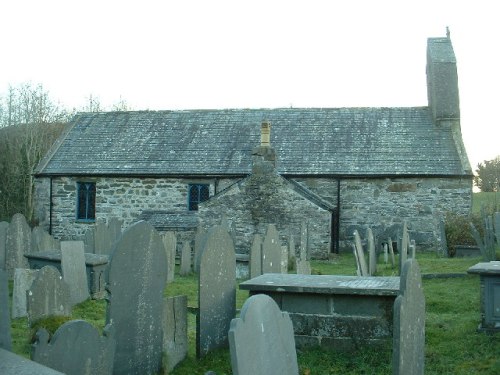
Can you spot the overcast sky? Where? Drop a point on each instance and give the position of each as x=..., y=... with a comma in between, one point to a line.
x=254, y=54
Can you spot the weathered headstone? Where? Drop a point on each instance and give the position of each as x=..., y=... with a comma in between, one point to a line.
x=136, y=279
x=89, y=240
x=262, y=341
x=304, y=242
x=256, y=256
x=358, y=265
x=403, y=251
x=284, y=259
x=413, y=249
x=360, y=255
x=5, y=337
x=23, y=279
x=75, y=348
x=303, y=267
x=106, y=235
x=74, y=270
x=386, y=253
x=185, y=259
x=271, y=251
x=41, y=240
x=18, y=243
x=175, y=339
x=372, y=255
x=409, y=322
x=391, y=252
x=199, y=243
x=170, y=243
x=442, y=234
x=216, y=291
x=3, y=238
x=49, y=295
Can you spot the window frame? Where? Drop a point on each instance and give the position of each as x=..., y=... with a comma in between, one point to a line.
x=90, y=201
x=191, y=202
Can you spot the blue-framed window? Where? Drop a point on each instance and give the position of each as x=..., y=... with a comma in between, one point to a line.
x=197, y=194
x=85, y=201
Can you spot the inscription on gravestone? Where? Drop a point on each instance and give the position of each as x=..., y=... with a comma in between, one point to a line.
x=136, y=279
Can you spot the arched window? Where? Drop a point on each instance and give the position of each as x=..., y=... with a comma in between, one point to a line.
x=197, y=193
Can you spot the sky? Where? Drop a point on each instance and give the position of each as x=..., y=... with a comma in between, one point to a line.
x=168, y=55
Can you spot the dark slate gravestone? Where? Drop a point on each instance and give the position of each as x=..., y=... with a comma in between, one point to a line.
x=12, y=364
x=409, y=323
x=372, y=255
x=106, y=234
x=48, y=295
x=199, y=244
x=74, y=270
x=216, y=291
x=23, y=279
x=136, y=279
x=185, y=259
x=170, y=243
x=5, y=337
x=18, y=243
x=271, y=251
x=261, y=340
x=256, y=256
x=175, y=339
x=3, y=237
x=76, y=348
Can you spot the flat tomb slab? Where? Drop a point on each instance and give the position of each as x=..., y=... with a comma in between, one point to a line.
x=323, y=284
x=491, y=268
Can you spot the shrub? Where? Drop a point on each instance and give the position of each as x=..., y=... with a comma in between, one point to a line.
x=458, y=232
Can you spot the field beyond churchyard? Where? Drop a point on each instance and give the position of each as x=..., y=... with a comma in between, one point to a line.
x=453, y=345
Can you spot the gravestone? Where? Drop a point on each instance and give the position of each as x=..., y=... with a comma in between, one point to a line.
x=496, y=219
x=136, y=279
x=403, y=251
x=41, y=240
x=360, y=255
x=442, y=234
x=271, y=251
x=199, y=243
x=13, y=364
x=413, y=249
x=261, y=340
x=386, y=253
x=185, y=259
x=23, y=279
x=358, y=265
x=175, y=339
x=106, y=234
x=216, y=291
x=5, y=337
x=49, y=295
x=18, y=243
x=372, y=255
x=291, y=250
x=391, y=252
x=74, y=270
x=409, y=322
x=303, y=267
x=76, y=348
x=256, y=256
x=304, y=246
x=170, y=243
x=284, y=259
x=3, y=238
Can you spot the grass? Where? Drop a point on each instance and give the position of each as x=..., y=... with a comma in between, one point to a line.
x=488, y=200
x=453, y=345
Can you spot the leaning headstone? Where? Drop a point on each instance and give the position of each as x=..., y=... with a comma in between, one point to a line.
x=136, y=279
x=199, y=243
x=18, y=243
x=360, y=254
x=216, y=291
x=3, y=237
x=256, y=256
x=409, y=323
x=261, y=340
x=74, y=270
x=271, y=251
x=49, y=295
x=5, y=337
x=372, y=255
x=175, y=339
x=170, y=243
x=391, y=252
x=185, y=259
x=76, y=348
x=358, y=265
x=41, y=240
x=284, y=259
x=23, y=279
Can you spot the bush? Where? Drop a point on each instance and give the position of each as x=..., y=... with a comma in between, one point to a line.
x=458, y=232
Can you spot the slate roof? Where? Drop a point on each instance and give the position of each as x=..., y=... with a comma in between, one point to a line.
x=308, y=141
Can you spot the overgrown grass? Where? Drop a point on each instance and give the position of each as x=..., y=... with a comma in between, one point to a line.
x=453, y=345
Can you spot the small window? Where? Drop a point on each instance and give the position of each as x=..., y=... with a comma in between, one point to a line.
x=85, y=205
x=197, y=194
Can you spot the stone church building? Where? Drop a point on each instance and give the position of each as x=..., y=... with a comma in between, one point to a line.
x=336, y=169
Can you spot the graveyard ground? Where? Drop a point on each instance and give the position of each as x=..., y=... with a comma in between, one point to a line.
x=453, y=346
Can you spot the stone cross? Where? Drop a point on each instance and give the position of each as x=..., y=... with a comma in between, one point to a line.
x=256, y=256
x=23, y=279
x=49, y=295
x=170, y=243
x=261, y=340
x=75, y=348
x=409, y=323
x=216, y=291
x=74, y=270
x=18, y=243
x=271, y=251
x=175, y=339
x=136, y=279
x=5, y=336
x=185, y=259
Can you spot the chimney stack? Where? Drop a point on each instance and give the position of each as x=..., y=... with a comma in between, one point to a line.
x=265, y=134
x=264, y=156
